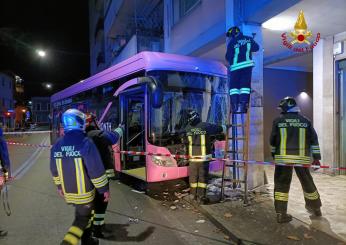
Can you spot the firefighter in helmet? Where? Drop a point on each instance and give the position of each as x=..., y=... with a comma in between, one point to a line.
x=103, y=141
x=293, y=141
x=78, y=172
x=200, y=137
x=239, y=57
x=4, y=167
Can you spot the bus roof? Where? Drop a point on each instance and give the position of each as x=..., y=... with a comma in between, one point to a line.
x=147, y=61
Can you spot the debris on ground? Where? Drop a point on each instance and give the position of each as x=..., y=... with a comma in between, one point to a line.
x=196, y=231
x=307, y=236
x=294, y=238
x=226, y=237
x=200, y=221
x=133, y=220
x=173, y=207
x=140, y=192
x=227, y=215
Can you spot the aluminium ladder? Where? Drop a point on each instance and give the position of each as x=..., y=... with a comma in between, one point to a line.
x=236, y=148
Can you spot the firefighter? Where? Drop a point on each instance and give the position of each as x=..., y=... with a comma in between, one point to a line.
x=5, y=167
x=77, y=171
x=239, y=57
x=199, y=143
x=293, y=140
x=103, y=141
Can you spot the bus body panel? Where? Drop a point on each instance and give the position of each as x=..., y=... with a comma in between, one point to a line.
x=123, y=76
x=144, y=61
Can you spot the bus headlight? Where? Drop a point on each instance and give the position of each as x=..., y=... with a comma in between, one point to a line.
x=163, y=161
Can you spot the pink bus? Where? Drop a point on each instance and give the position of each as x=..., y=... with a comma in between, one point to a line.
x=149, y=92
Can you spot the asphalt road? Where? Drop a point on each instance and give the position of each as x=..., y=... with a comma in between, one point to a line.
x=40, y=216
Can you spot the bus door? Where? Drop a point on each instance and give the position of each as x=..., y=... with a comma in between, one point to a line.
x=132, y=111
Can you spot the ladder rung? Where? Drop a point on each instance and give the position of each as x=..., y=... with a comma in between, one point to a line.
x=237, y=138
x=239, y=152
x=234, y=180
x=233, y=165
x=235, y=125
x=238, y=113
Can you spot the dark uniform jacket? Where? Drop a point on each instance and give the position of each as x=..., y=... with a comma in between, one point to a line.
x=4, y=156
x=294, y=140
x=104, y=141
x=77, y=168
x=239, y=52
x=199, y=140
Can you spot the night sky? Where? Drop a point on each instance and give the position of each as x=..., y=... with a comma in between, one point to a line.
x=60, y=27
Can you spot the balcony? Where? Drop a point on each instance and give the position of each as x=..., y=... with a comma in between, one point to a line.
x=135, y=45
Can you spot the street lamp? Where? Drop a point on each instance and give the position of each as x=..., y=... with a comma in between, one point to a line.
x=41, y=53
x=48, y=86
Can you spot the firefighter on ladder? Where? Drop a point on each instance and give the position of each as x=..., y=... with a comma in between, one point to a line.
x=293, y=140
x=199, y=142
x=4, y=167
x=103, y=141
x=239, y=57
x=77, y=171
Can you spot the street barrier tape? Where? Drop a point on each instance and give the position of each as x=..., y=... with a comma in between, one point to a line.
x=27, y=132
x=142, y=153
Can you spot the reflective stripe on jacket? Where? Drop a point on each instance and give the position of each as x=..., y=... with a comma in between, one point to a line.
x=77, y=168
x=294, y=140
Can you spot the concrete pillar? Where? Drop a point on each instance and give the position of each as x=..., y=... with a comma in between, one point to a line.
x=324, y=99
x=256, y=142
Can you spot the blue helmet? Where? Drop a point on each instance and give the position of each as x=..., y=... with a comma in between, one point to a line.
x=73, y=119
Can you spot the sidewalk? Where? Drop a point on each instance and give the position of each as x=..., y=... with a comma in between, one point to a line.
x=256, y=223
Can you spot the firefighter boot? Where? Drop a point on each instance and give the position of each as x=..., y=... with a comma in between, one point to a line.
x=283, y=217
x=88, y=239
x=98, y=231
x=3, y=233
x=243, y=107
x=317, y=212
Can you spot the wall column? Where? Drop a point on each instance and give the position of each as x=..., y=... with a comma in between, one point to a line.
x=324, y=99
x=256, y=175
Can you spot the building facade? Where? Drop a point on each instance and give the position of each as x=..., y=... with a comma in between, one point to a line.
x=6, y=100
x=40, y=110
x=198, y=27
x=119, y=29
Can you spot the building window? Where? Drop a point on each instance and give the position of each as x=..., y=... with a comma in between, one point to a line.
x=182, y=8
x=186, y=6
x=38, y=106
x=48, y=107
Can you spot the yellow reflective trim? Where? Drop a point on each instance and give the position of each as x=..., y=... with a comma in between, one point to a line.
x=98, y=222
x=76, y=231
x=281, y=196
x=78, y=176
x=80, y=163
x=193, y=185
x=201, y=185
x=311, y=196
x=302, y=136
x=189, y=138
x=248, y=49
x=283, y=142
x=71, y=239
x=203, y=148
x=236, y=54
x=60, y=172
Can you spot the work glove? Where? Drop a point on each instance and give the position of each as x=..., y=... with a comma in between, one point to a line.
x=316, y=163
x=107, y=196
x=120, y=129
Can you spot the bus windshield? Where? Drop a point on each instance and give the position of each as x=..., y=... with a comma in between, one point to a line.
x=183, y=91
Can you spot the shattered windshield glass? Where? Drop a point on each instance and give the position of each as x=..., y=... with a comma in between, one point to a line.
x=184, y=91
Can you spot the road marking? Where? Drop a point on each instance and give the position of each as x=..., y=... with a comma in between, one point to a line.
x=18, y=173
